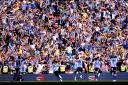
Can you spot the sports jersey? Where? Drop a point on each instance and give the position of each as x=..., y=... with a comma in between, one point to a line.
x=55, y=67
x=78, y=63
x=113, y=62
x=97, y=64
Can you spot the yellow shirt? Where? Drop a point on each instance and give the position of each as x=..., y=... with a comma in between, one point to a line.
x=5, y=69
x=57, y=52
x=122, y=49
x=62, y=68
x=30, y=69
x=17, y=7
x=85, y=15
x=123, y=67
x=20, y=51
x=14, y=39
x=91, y=68
x=111, y=49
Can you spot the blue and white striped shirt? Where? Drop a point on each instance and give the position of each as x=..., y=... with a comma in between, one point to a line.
x=55, y=67
x=78, y=63
x=97, y=64
x=113, y=62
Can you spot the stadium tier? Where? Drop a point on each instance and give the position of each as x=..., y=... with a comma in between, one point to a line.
x=58, y=37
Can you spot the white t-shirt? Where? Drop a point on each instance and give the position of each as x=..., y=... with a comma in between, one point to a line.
x=62, y=32
x=39, y=68
x=54, y=37
x=69, y=49
x=97, y=28
x=82, y=44
x=51, y=70
x=32, y=46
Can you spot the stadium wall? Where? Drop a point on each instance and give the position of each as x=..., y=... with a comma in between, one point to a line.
x=33, y=77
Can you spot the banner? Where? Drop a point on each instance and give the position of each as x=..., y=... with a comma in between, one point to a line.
x=49, y=77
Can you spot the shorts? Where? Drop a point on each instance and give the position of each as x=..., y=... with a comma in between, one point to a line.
x=56, y=73
x=79, y=69
x=97, y=69
x=113, y=68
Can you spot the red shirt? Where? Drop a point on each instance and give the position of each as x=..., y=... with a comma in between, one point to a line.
x=42, y=77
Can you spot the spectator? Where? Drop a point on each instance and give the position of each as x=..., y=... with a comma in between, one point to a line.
x=37, y=32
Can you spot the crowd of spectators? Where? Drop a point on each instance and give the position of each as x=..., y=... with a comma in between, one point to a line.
x=37, y=32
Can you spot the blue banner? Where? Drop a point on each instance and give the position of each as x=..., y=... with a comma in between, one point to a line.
x=34, y=77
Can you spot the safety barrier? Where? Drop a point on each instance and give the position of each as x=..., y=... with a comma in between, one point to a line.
x=33, y=77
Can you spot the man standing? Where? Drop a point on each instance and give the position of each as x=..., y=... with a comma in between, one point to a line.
x=79, y=68
x=113, y=62
x=97, y=66
x=17, y=76
x=55, y=68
